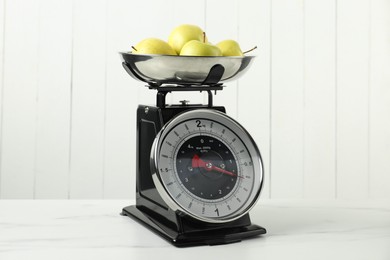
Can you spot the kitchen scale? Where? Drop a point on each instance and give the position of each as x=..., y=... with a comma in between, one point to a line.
x=198, y=172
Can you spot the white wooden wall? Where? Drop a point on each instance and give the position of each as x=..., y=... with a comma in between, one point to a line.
x=316, y=100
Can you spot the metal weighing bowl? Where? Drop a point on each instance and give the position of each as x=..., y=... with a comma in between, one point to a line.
x=183, y=70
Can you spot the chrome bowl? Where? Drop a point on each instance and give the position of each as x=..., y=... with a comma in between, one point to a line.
x=183, y=70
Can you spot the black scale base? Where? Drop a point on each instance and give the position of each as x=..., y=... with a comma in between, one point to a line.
x=204, y=236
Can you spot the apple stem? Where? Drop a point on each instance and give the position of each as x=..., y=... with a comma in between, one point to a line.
x=134, y=48
x=254, y=48
x=204, y=37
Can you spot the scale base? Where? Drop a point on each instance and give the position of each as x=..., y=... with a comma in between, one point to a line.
x=223, y=235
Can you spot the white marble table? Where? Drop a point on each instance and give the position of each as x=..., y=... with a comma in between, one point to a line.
x=73, y=229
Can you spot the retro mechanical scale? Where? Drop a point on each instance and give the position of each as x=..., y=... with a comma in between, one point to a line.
x=199, y=172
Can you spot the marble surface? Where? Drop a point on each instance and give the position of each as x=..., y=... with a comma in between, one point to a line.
x=297, y=229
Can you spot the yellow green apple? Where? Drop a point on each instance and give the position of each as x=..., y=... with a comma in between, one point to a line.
x=153, y=46
x=183, y=34
x=230, y=48
x=198, y=48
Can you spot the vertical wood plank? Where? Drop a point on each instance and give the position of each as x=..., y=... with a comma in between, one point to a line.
x=123, y=92
x=182, y=14
x=121, y=100
x=88, y=99
x=379, y=102
x=2, y=16
x=253, y=103
x=53, y=107
x=287, y=99
x=19, y=99
x=352, y=98
x=319, y=99
x=222, y=24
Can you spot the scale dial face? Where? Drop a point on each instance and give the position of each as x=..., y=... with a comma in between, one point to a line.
x=207, y=166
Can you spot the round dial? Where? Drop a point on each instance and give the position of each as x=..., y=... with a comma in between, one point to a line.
x=207, y=166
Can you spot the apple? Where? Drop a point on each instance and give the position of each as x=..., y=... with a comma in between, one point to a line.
x=230, y=48
x=153, y=46
x=183, y=34
x=198, y=48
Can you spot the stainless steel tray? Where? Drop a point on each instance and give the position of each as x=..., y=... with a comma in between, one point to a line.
x=184, y=70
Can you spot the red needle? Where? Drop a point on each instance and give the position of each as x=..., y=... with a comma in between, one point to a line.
x=199, y=163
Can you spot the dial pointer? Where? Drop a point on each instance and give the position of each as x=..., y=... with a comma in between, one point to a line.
x=199, y=163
